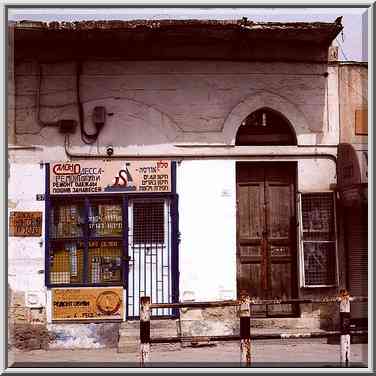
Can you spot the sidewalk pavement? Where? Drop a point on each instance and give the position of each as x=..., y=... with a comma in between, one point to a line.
x=264, y=353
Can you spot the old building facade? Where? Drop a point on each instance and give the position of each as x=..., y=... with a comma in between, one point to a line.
x=176, y=159
x=353, y=177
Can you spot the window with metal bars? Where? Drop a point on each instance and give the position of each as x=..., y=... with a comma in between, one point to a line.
x=151, y=271
x=318, y=239
x=148, y=222
x=85, y=244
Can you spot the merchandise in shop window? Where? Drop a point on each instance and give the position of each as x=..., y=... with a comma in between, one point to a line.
x=105, y=220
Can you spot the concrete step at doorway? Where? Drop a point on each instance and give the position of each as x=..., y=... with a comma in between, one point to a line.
x=129, y=333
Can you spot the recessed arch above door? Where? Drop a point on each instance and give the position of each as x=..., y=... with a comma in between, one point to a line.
x=265, y=126
x=265, y=99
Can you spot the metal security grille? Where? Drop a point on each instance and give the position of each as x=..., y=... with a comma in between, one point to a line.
x=148, y=222
x=66, y=262
x=66, y=251
x=318, y=239
x=66, y=221
x=150, y=255
x=318, y=216
x=86, y=243
x=105, y=262
x=319, y=263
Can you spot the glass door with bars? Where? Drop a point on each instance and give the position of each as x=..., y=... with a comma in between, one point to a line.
x=149, y=254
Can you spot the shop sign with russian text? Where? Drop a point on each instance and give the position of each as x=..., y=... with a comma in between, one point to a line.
x=83, y=177
x=25, y=223
x=100, y=303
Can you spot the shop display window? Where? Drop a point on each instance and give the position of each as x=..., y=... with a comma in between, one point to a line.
x=86, y=243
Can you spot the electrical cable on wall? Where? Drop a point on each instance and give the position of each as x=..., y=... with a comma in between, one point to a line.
x=343, y=52
x=346, y=82
x=87, y=138
x=42, y=124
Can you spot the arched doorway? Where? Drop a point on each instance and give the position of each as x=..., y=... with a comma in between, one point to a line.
x=266, y=215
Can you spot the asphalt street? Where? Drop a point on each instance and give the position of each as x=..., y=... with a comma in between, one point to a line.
x=264, y=353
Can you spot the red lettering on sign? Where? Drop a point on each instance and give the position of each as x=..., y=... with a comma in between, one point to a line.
x=66, y=169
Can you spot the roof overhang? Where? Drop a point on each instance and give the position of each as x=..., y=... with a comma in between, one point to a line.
x=167, y=38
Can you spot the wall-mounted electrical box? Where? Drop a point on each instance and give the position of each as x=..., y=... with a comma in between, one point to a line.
x=99, y=116
x=67, y=126
x=35, y=299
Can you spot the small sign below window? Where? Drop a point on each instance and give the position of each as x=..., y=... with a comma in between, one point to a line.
x=87, y=304
x=361, y=122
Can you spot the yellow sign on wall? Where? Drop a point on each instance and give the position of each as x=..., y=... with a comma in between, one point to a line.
x=361, y=122
x=99, y=303
x=25, y=223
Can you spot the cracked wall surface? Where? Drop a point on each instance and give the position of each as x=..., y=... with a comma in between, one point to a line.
x=176, y=101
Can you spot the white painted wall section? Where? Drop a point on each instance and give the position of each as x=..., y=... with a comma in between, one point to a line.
x=207, y=214
x=26, y=254
x=316, y=175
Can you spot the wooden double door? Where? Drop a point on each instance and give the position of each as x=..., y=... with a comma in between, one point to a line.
x=266, y=234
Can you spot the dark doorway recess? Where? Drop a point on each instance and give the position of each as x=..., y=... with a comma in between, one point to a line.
x=265, y=127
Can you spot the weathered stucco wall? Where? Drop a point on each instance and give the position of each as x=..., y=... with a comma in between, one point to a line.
x=151, y=107
x=353, y=86
x=158, y=103
x=26, y=325
x=26, y=254
x=89, y=336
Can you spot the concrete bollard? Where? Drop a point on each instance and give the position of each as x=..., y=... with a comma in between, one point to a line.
x=245, y=331
x=144, y=330
x=344, y=312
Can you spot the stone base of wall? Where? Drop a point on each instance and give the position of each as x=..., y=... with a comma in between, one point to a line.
x=29, y=337
x=209, y=321
x=225, y=321
x=129, y=334
x=329, y=316
x=28, y=329
x=26, y=326
x=84, y=335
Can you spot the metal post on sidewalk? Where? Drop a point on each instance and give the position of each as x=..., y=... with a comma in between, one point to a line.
x=144, y=330
x=245, y=331
x=344, y=313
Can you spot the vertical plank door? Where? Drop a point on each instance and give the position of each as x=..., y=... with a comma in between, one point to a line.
x=266, y=237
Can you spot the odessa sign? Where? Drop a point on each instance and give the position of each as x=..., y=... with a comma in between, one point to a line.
x=110, y=177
